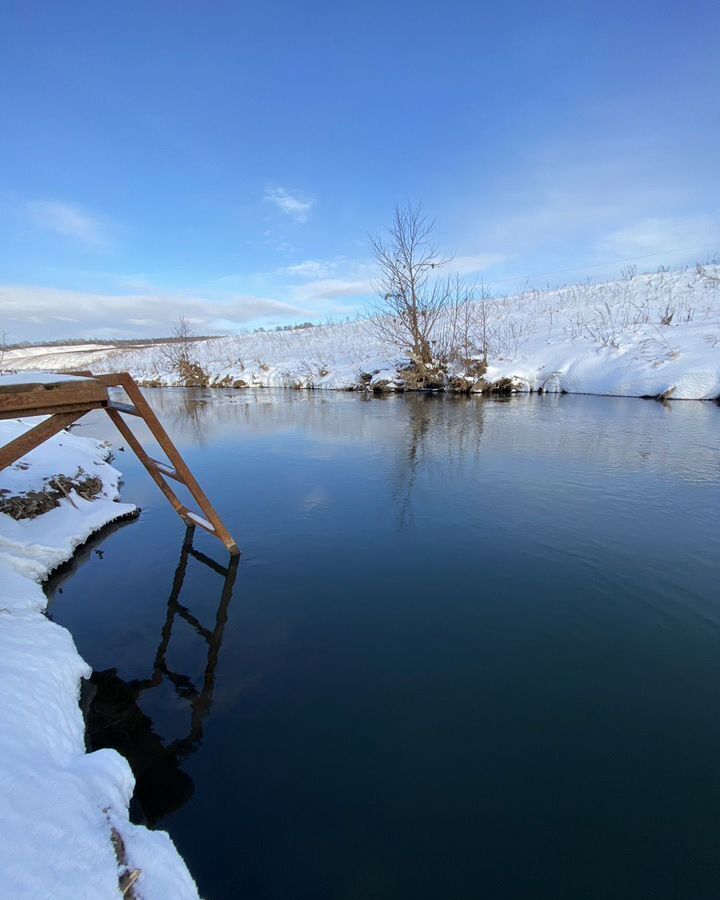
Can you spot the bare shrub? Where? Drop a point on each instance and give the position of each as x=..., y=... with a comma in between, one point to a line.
x=467, y=329
x=628, y=272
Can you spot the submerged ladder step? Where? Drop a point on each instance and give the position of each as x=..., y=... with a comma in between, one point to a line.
x=164, y=469
x=126, y=408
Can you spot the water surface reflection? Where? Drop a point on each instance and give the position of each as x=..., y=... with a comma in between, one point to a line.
x=114, y=717
x=476, y=653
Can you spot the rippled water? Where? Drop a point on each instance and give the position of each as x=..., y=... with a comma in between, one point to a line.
x=472, y=648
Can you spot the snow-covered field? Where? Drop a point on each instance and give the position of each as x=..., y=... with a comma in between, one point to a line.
x=640, y=335
x=58, y=804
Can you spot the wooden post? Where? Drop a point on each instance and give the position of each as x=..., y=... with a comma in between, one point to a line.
x=23, y=444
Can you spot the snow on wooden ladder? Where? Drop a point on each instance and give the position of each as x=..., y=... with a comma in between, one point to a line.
x=124, y=408
x=164, y=469
x=198, y=520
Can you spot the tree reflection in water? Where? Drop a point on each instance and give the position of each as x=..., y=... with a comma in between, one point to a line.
x=115, y=719
x=444, y=430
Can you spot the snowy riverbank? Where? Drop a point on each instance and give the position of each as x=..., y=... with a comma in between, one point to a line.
x=59, y=805
x=643, y=335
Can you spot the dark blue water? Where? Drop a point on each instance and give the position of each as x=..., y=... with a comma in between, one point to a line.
x=472, y=648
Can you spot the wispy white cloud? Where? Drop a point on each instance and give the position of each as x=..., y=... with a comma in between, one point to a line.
x=331, y=289
x=70, y=221
x=480, y=262
x=34, y=311
x=661, y=235
x=290, y=203
x=341, y=278
x=310, y=268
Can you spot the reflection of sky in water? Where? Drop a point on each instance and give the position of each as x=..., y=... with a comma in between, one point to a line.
x=317, y=498
x=682, y=437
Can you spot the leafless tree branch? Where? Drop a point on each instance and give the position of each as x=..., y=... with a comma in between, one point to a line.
x=410, y=300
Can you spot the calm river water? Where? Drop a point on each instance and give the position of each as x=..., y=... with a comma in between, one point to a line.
x=472, y=648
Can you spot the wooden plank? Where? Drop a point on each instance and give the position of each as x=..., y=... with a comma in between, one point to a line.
x=84, y=389
x=17, y=388
x=28, y=402
x=21, y=387
x=27, y=442
x=111, y=379
x=50, y=410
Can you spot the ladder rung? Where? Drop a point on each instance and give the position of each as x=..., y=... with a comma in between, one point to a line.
x=127, y=408
x=164, y=469
x=198, y=520
x=194, y=622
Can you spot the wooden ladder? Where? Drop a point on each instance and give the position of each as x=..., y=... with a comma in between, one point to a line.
x=65, y=401
x=160, y=472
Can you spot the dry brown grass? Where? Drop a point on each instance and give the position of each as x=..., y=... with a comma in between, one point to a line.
x=31, y=504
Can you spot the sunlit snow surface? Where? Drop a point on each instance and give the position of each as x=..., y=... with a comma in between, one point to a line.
x=606, y=338
x=57, y=802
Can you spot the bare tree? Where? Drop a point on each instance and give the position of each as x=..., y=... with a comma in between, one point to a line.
x=184, y=335
x=3, y=347
x=410, y=299
x=179, y=354
x=178, y=349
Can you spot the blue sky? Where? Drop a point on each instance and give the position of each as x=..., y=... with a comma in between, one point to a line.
x=228, y=160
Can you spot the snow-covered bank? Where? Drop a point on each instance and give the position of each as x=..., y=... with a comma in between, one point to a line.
x=656, y=334
x=58, y=804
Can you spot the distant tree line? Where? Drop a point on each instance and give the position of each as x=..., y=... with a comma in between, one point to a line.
x=130, y=343
x=302, y=325
x=111, y=342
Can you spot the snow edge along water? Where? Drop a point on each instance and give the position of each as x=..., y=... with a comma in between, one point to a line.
x=59, y=804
